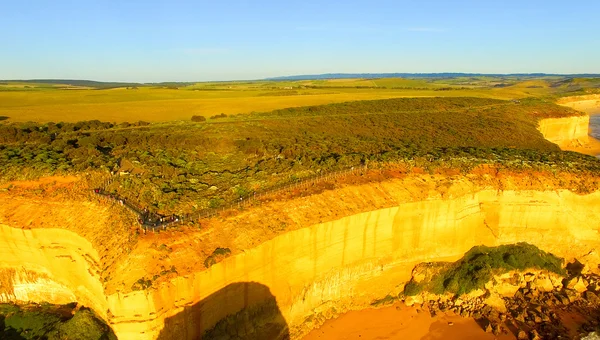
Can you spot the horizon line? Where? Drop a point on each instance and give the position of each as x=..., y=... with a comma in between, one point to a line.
x=333, y=75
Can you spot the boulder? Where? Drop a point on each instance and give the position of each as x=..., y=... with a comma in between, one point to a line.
x=495, y=301
x=412, y=300
x=529, y=277
x=506, y=289
x=542, y=284
x=591, y=297
x=577, y=283
x=522, y=335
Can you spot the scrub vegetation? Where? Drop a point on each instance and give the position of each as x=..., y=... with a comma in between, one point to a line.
x=479, y=265
x=183, y=167
x=48, y=321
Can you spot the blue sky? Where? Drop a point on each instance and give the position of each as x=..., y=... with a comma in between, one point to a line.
x=223, y=40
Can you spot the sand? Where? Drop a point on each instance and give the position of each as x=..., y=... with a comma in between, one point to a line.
x=401, y=322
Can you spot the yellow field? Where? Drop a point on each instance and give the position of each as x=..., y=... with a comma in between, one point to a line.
x=208, y=99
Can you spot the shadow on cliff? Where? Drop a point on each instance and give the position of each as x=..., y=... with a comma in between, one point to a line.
x=244, y=310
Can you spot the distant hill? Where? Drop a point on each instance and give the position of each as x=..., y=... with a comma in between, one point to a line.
x=96, y=84
x=425, y=75
x=76, y=82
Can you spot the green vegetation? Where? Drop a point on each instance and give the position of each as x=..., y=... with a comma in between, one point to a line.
x=478, y=266
x=70, y=101
x=216, y=256
x=198, y=119
x=185, y=167
x=51, y=322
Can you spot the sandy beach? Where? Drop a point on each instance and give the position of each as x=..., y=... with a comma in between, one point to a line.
x=400, y=322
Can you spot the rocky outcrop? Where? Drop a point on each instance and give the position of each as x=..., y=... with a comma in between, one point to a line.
x=530, y=309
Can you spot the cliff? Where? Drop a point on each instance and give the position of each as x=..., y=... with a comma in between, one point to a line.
x=49, y=265
x=566, y=132
x=347, y=263
x=296, y=260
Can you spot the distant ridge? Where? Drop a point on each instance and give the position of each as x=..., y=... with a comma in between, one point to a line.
x=112, y=84
x=426, y=75
x=93, y=83
x=75, y=82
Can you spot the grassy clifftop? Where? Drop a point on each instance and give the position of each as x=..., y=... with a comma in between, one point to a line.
x=179, y=167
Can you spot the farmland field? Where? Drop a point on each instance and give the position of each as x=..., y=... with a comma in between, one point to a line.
x=158, y=103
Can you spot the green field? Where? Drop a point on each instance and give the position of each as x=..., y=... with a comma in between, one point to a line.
x=38, y=102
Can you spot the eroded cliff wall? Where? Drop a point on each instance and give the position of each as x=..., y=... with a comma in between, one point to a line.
x=49, y=265
x=568, y=131
x=347, y=263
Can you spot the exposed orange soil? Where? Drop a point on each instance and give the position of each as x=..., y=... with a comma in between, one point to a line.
x=401, y=322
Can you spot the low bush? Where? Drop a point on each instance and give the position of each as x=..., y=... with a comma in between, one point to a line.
x=479, y=265
x=217, y=255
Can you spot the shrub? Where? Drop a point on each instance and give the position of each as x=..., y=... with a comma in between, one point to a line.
x=198, y=119
x=412, y=288
x=479, y=265
x=222, y=115
x=217, y=255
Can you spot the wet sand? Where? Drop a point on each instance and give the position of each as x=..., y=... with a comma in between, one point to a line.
x=401, y=322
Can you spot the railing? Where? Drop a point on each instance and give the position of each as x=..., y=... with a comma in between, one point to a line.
x=153, y=221
x=278, y=189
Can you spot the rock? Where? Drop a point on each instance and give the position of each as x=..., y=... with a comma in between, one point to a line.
x=534, y=335
x=522, y=335
x=418, y=277
x=477, y=293
x=543, y=285
x=497, y=329
x=506, y=289
x=563, y=299
x=495, y=301
x=591, y=297
x=556, y=281
x=537, y=319
x=529, y=277
x=577, y=284
x=487, y=326
x=450, y=323
x=412, y=300
x=458, y=302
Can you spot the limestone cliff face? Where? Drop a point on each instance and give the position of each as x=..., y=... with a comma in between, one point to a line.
x=49, y=265
x=349, y=262
x=568, y=131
